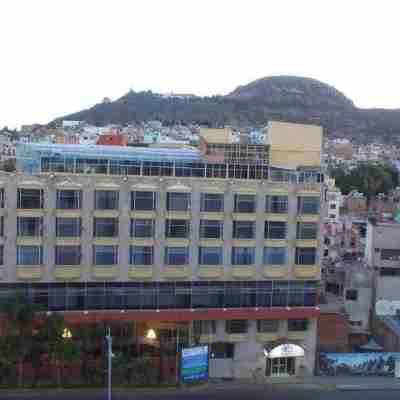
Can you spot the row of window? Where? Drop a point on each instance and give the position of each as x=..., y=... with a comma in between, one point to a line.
x=176, y=201
x=144, y=255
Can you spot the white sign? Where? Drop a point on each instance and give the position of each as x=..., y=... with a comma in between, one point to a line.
x=387, y=307
x=285, y=350
x=195, y=351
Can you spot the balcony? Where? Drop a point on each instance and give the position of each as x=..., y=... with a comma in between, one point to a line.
x=68, y=241
x=29, y=272
x=68, y=213
x=141, y=242
x=177, y=215
x=67, y=272
x=276, y=217
x=306, y=271
x=29, y=241
x=210, y=271
x=244, y=243
x=243, y=271
x=275, y=271
x=176, y=272
x=143, y=214
x=105, y=241
x=208, y=338
x=306, y=243
x=213, y=216
x=139, y=272
x=263, y=337
x=308, y=218
x=236, y=337
x=177, y=242
x=244, y=216
x=105, y=272
x=106, y=213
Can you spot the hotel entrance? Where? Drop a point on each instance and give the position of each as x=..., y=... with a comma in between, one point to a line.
x=281, y=360
x=284, y=366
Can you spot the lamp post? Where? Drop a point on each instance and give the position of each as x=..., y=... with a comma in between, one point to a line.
x=109, y=357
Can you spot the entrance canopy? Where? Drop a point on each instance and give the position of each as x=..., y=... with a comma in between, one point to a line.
x=285, y=350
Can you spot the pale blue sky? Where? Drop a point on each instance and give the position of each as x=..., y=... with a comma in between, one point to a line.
x=59, y=56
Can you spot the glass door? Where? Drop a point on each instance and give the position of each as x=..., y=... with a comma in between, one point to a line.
x=282, y=366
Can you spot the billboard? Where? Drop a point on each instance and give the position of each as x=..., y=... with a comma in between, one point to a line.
x=194, y=364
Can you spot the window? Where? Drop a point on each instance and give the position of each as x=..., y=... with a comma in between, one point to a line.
x=106, y=200
x=275, y=230
x=222, y=350
x=143, y=201
x=390, y=254
x=29, y=226
x=236, y=326
x=142, y=228
x=275, y=255
x=326, y=252
x=332, y=206
x=306, y=255
x=141, y=255
x=105, y=255
x=105, y=227
x=2, y=198
x=68, y=255
x=276, y=204
x=1, y=255
x=389, y=272
x=178, y=201
x=351, y=294
x=210, y=255
x=332, y=216
x=297, y=325
x=308, y=205
x=245, y=203
x=68, y=227
x=177, y=228
x=29, y=255
x=204, y=327
x=210, y=229
x=267, y=325
x=212, y=202
x=30, y=198
x=307, y=230
x=243, y=255
x=177, y=255
x=69, y=199
x=244, y=230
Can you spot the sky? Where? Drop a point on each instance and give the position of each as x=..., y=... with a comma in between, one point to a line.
x=60, y=56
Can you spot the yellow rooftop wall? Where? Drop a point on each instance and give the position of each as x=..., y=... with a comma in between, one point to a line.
x=216, y=135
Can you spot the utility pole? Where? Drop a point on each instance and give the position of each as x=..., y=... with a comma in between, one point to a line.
x=109, y=358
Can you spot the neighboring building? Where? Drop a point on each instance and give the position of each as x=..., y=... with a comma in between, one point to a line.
x=334, y=200
x=225, y=252
x=355, y=204
x=112, y=139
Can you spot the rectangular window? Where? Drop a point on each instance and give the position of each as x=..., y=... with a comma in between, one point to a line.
x=275, y=255
x=210, y=255
x=297, y=325
x=306, y=256
x=68, y=227
x=177, y=228
x=1, y=226
x=389, y=271
x=245, y=203
x=142, y=228
x=69, y=199
x=307, y=230
x=212, y=202
x=105, y=227
x=243, y=255
x=143, y=201
x=351, y=294
x=178, y=201
x=106, y=200
x=390, y=254
x=204, y=327
x=68, y=255
x=30, y=198
x=29, y=255
x=105, y=255
x=244, y=229
x=236, y=326
x=267, y=325
x=332, y=206
x=2, y=198
x=275, y=230
x=176, y=255
x=210, y=229
x=222, y=350
x=308, y=205
x=1, y=255
x=141, y=255
x=29, y=226
x=276, y=204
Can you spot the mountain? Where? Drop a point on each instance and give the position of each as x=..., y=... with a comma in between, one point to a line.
x=286, y=98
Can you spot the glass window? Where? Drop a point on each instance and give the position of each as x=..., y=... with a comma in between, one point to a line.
x=204, y=327
x=307, y=230
x=222, y=350
x=177, y=255
x=236, y=326
x=308, y=205
x=105, y=227
x=245, y=203
x=390, y=254
x=68, y=255
x=275, y=230
x=276, y=204
x=2, y=198
x=297, y=325
x=68, y=227
x=244, y=229
x=30, y=198
x=352, y=294
x=141, y=255
x=306, y=255
x=275, y=255
x=210, y=255
x=243, y=255
x=212, y=202
x=268, y=325
x=210, y=229
x=69, y=199
x=29, y=255
x=106, y=200
x=143, y=201
x=105, y=255
x=177, y=228
x=178, y=201
x=29, y=226
x=142, y=228
x=1, y=255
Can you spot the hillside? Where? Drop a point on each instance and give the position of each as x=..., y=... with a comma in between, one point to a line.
x=287, y=98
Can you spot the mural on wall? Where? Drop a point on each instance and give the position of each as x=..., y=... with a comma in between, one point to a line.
x=357, y=364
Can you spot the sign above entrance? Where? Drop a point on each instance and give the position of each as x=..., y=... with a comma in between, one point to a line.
x=285, y=350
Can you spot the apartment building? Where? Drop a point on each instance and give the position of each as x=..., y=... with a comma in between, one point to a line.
x=219, y=244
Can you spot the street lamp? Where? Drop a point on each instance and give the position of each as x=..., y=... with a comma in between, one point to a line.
x=67, y=334
x=151, y=334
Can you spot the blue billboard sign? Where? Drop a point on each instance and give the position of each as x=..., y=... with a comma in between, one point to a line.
x=194, y=364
